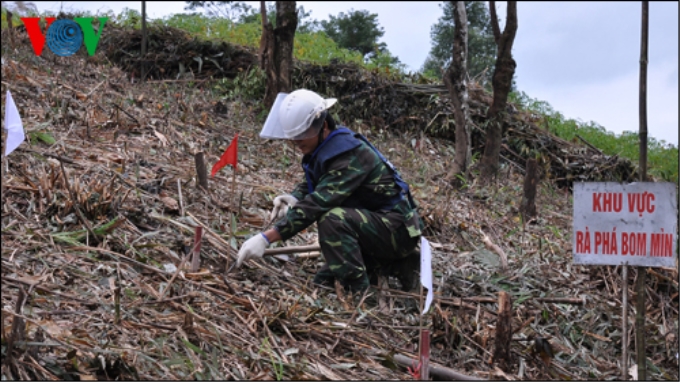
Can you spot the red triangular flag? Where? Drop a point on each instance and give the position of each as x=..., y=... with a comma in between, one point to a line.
x=230, y=156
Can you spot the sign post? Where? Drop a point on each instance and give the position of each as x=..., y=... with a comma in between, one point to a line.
x=625, y=224
x=632, y=223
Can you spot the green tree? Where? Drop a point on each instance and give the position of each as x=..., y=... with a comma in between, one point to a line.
x=276, y=49
x=502, y=84
x=306, y=24
x=457, y=85
x=23, y=8
x=481, y=44
x=232, y=10
x=356, y=30
x=384, y=59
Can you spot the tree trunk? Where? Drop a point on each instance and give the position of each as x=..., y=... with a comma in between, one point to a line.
x=642, y=272
x=528, y=206
x=643, y=91
x=502, y=83
x=455, y=79
x=201, y=171
x=501, y=354
x=10, y=29
x=276, y=47
x=266, y=36
x=143, y=68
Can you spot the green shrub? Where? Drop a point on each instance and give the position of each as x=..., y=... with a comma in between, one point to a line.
x=318, y=48
x=248, y=85
x=314, y=47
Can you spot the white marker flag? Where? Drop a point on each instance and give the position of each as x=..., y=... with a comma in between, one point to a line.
x=426, y=271
x=15, y=130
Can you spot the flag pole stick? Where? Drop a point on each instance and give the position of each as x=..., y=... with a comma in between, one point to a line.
x=3, y=165
x=233, y=190
x=230, y=156
x=425, y=282
x=420, y=326
x=232, y=205
x=624, y=319
x=4, y=144
x=423, y=343
x=425, y=356
x=420, y=304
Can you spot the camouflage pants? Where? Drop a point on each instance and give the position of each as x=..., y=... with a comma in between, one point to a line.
x=356, y=240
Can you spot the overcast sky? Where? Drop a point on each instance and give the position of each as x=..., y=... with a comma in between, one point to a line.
x=583, y=58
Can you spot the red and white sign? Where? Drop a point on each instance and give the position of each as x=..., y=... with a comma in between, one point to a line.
x=635, y=223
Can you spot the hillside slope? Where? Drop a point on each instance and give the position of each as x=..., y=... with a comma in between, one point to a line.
x=121, y=151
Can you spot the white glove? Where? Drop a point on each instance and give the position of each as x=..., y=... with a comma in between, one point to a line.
x=281, y=205
x=253, y=247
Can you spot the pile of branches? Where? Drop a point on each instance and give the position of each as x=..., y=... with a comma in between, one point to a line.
x=378, y=99
x=173, y=53
x=563, y=161
x=374, y=99
x=99, y=210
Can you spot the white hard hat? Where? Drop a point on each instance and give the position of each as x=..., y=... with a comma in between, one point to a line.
x=293, y=114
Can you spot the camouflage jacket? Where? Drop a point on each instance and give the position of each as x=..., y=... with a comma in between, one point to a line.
x=356, y=175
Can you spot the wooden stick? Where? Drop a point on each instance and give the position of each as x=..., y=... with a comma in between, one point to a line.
x=528, y=205
x=201, y=171
x=10, y=27
x=435, y=370
x=95, y=88
x=233, y=189
x=557, y=300
x=180, y=80
x=196, y=260
x=424, y=354
x=292, y=249
x=624, y=318
x=589, y=144
x=493, y=247
x=662, y=277
x=230, y=250
x=424, y=373
x=44, y=289
x=144, y=40
x=181, y=203
x=266, y=327
x=231, y=215
x=501, y=353
x=351, y=319
x=124, y=111
x=120, y=257
x=18, y=330
x=179, y=269
x=3, y=170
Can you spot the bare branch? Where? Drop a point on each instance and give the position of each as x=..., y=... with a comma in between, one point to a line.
x=494, y=21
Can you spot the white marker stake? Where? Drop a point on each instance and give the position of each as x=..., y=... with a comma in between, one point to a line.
x=13, y=125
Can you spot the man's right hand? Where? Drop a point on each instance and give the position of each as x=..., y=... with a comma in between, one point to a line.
x=252, y=248
x=281, y=205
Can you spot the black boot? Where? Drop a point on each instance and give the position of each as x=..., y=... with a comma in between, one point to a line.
x=374, y=270
x=324, y=277
x=407, y=269
x=358, y=285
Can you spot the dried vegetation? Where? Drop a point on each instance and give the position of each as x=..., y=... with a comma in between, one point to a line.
x=375, y=99
x=99, y=208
